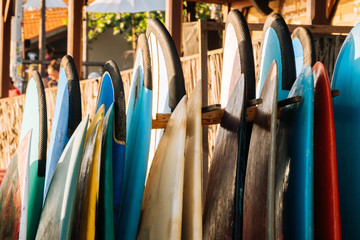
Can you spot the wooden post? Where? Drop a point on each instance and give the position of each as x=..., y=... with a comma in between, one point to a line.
x=42, y=38
x=173, y=21
x=75, y=32
x=85, y=52
x=317, y=12
x=5, y=35
x=203, y=48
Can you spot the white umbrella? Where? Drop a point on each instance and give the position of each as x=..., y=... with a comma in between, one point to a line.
x=32, y=5
x=126, y=6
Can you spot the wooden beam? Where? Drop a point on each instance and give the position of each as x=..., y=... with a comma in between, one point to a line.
x=42, y=37
x=74, y=33
x=173, y=21
x=5, y=34
x=315, y=29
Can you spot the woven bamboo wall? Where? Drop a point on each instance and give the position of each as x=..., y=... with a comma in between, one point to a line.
x=11, y=109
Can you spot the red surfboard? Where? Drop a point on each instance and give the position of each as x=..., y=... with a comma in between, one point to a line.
x=326, y=191
x=2, y=174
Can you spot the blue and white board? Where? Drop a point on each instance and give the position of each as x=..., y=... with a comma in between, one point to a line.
x=304, y=49
x=67, y=116
x=238, y=57
x=112, y=91
x=276, y=45
x=138, y=131
x=294, y=213
x=347, y=130
x=167, y=76
x=35, y=118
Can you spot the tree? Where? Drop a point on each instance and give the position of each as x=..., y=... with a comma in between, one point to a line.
x=120, y=23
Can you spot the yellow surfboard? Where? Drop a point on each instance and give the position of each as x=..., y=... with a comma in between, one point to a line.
x=87, y=194
x=192, y=205
x=161, y=211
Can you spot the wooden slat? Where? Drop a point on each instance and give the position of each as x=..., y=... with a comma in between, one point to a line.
x=214, y=117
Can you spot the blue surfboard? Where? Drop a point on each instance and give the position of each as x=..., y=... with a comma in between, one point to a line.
x=138, y=131
x=112, y=91
x=276, y=45
x=35, y=118
x=294, y=167
x=167, y=76
x=347, y=118
x=67, y=116
x=304, y=48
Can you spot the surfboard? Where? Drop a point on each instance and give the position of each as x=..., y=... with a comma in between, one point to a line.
x=221, y=184
x=67, y=116
x=276, y=45
x=2, y=174
x=112, y=91
x=35, y=118
x=304, y=48
x=294, y=168
x=161, y=211
x=167, y=76
x=238, y=56
x=192, y=193
x=347, y=116
x=56, y=217
x=105, y=221
x=138, y=130
x=260, y=171
x=14, y=192
x=237, y=60
x=327, y=223
x=86, y=200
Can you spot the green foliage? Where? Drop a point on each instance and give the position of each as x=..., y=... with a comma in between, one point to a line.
x=203, y=10
x=120, y=23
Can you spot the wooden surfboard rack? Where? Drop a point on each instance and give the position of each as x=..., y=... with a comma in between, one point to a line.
x=213, y=114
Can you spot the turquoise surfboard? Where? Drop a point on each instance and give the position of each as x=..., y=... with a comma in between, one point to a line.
x=347, y=117
x=294, y=213
x=276, y=45
x=167, y=76
x=56, y=217
x=105, y=221
x=138, y=129
x=67, y=115
x=35, y=118
x=304, y=48
x=112, y=91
